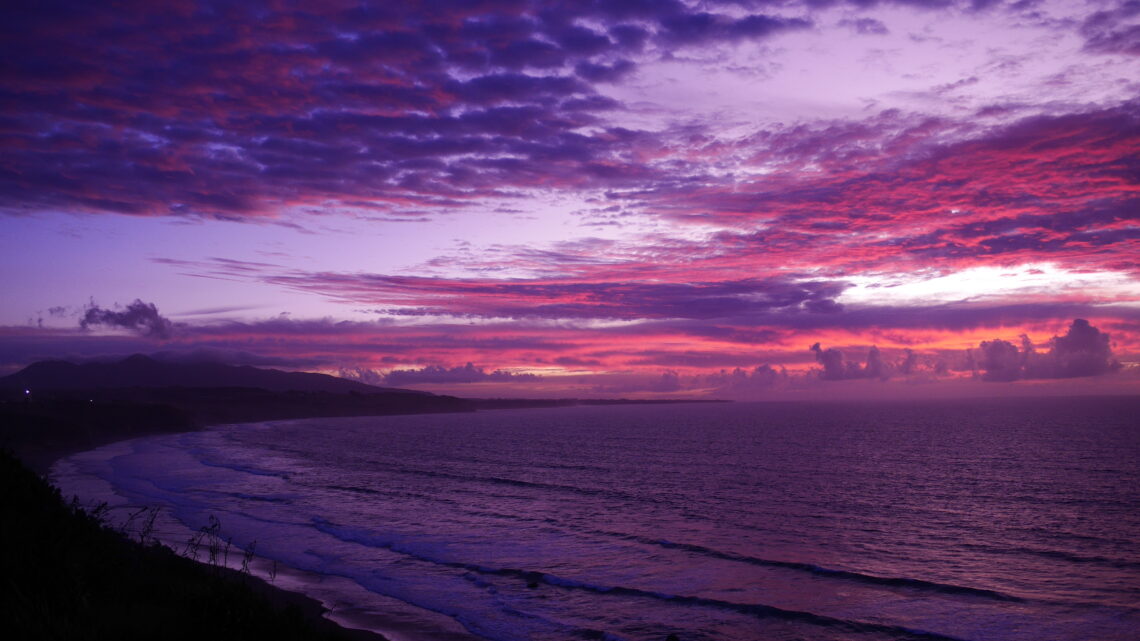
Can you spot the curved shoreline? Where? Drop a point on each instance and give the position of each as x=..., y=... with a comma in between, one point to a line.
x=322, y=595
x=72, y=574
x=41, y=455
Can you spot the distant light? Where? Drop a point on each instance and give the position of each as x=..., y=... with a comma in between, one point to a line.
x=27, y=391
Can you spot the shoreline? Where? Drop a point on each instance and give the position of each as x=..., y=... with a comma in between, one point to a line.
x=313, y=611
x=43, y=440
x=74, y=573
x=41, y=457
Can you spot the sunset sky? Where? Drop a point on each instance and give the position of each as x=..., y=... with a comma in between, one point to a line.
x=609, y=198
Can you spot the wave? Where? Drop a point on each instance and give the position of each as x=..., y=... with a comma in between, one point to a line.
x=355, y=489
x=497, y=480
x=281, y=500
x=758, y=610
x=1060, y=555
x=849, y=575
x=533, y=577
x=237, y=467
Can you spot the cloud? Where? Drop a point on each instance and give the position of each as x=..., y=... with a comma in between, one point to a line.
x=1083, y=351
x=1001, y=361
x=865, y=26
x=1114, y=30
x=139, y=317
x=596, y=72
x=832, y=361
x=909, y=363
x=835, y=369
x=185, y=110
x=230, y=356
x=700, y=27
x=897, y=188
x=711, y=358
x=743, y=382
x=561, y=298
x=463, y=374
x=677, y=322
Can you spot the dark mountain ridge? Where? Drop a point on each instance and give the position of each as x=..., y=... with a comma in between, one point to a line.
x=141, y=371
x=55, y=407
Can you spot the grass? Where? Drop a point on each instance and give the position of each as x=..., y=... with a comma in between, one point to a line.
x=66, y=575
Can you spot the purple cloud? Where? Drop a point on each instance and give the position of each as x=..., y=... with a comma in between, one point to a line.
x=462, y=374
x=1001, y=361
x=835, y=369
x=142, y=318
x=1083, y=351
x=865, y=26
x=600, y=72
x=695, y=28
x=231, y=113
x=1114, y=30
x=747, y=382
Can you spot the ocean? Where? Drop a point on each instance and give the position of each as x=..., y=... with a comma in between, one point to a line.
x=994, y=520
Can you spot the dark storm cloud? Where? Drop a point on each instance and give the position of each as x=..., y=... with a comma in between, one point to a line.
x=142, y=318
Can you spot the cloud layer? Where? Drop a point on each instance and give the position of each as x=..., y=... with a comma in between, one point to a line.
x=895, y=182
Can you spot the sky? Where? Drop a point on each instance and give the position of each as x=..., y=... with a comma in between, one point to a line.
x=635, y=198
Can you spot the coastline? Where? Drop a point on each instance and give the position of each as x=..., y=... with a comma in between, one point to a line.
x=41, y=434
x=312, y=610
x=39, y=455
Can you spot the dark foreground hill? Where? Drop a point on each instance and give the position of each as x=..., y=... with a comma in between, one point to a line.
x=67, y=576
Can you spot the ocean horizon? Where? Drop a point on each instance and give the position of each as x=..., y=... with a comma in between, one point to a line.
x=994, y=519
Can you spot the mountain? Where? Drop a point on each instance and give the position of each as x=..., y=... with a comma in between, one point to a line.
x=144, y=371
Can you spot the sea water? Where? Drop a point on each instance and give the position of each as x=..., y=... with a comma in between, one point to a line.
x=996, y=520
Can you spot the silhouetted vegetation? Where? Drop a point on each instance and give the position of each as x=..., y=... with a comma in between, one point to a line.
x=68, y=576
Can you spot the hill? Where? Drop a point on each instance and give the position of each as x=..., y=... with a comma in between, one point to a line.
x=141, y=371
